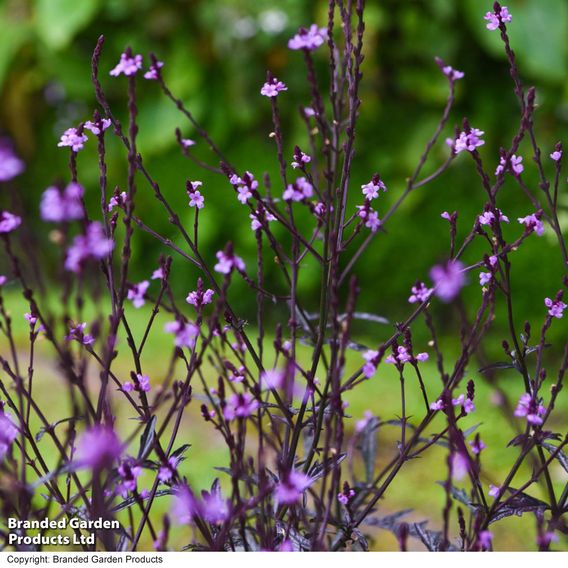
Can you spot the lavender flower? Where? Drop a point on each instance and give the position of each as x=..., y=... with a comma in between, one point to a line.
x=62, y=206
x=420, y=293
x=402, y=356
x=528, y=408
x=448, y=280
x=153, y=73
x=257, y=217
x=9, y=222
x=309, y=39
x=477, y=445
x=97, y=127
x=555, y=307
x=72, y=139
x=98, y=448
x=298, y=191
x=129, y=473
x=290, y=489
x=371, y=190
x=272, y=88
x=556, y=155
x=227, y=262
x=488, y=217
x=10, y=165
x=200, y=298
x=117, y=200
x=185, y=333
x=493, y=491
x=300, y=159
x=142, y=384
x=532, y=223
x=369, y=368
x=515, y=163
x=77, y=333
x=469, y=141
x=240, y=406
x=128, y=65
x=485, y=538
x=452, y=74
x=136, y=293
x=92, y=245
x=8, y=434
x=495, y=18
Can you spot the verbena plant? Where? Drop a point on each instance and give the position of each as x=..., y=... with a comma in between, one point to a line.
x=295, y=480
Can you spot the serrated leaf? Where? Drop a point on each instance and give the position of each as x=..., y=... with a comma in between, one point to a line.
x=131, y=500
x=560, y=456
x=518, y=505
x=147, y=439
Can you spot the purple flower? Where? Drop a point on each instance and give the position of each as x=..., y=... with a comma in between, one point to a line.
x=136, y=293
x=227, y=262
x=129, y=472
x=420, y=293
x=345, y=496
x=477, y=445
x=200, y=298
x=437, y=405
x=97, y=127
x=372, y=221
x=371, y=190
x=8, y=433
x=493, y=491
x=459, y=466
x=493, y=19
x=240, y=406
x=66, y=205
x=272, y=87
x=308, y=39
x=516, y=165
x=465, y=403
x=117, y=200
x=73, y=139
x=369, y=368
x=185, y=333
x=187, y=142
x=158, y=274
x=300, y=159
x=167, y=470
x=256, y=219
x=214, y=509
x=448, y=279
x=469, y=141
x=272, y=379
x=77, y=333
x=196, y=199
x=528, y=408
x=445, y=215
x=488, y=217
x=402, y=356
x=532, y=223
x=451, y=73
x=485, y=538
x=98, y=448
x=555, y=307
x=291, y=487
x=128, y=65
x=185, y=505
x=556, y=155
x=153, y=73
x=3, y=280
x=299, y=190
x=10, y=165
x=485, y=278
x=92, y=245
x=9, y=222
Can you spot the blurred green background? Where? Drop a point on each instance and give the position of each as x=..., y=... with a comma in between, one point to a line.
x=217, y=53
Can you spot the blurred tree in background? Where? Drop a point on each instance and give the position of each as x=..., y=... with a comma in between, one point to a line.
x=216, y=54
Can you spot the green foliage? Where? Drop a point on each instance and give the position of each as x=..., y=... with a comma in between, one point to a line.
x=217, y=53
